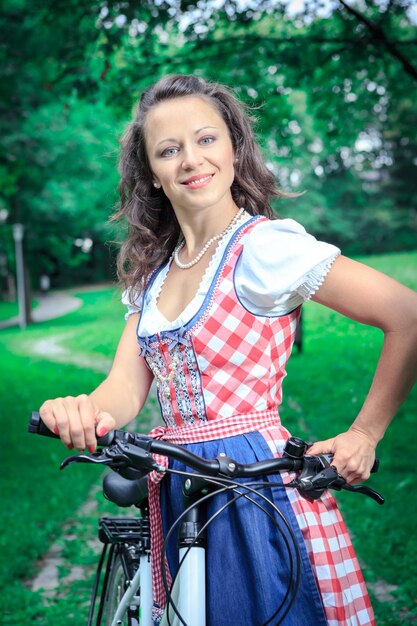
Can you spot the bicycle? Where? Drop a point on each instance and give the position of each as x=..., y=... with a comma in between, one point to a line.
x=126, y=586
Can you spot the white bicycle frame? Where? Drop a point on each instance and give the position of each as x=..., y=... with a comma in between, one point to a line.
x=189, y=590
x=142, y=583
x=188, y=593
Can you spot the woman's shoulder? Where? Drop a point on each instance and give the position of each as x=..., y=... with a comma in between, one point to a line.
x=277, y=238
x=281, y=265
x=279, y=228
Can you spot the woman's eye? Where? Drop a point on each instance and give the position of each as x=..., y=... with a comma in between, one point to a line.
x=169, y=152
x=207, y=140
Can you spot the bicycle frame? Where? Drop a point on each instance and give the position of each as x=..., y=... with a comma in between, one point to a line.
x=128, y=573
x=132, y=600
x=188, y=592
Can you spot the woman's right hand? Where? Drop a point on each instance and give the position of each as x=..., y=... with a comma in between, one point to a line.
x=77, y=420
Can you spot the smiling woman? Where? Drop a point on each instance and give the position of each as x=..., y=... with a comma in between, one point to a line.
x=214, y=288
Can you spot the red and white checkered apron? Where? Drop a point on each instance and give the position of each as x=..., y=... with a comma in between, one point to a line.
x=229, y=365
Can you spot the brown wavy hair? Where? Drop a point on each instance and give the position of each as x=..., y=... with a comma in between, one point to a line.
x=153, y=230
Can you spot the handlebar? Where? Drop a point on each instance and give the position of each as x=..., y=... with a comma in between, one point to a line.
x=38, y=427
x=127, y=451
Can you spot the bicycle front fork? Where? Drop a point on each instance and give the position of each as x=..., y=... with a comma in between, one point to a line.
x=189, y=590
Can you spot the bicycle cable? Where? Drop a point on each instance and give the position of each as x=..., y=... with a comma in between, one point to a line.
x=221, y=510
x=254, y=488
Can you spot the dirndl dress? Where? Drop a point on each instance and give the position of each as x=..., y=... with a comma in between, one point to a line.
x=228, y=365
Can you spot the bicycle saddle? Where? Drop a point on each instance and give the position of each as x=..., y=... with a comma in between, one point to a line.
x=124, y=492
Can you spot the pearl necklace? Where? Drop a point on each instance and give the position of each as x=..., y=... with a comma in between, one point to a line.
x=229, y=227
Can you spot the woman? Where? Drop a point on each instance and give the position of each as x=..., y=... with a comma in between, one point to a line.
x=214, y=289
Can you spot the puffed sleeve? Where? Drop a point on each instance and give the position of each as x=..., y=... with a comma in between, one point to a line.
x=133, y=299
x=280, y=267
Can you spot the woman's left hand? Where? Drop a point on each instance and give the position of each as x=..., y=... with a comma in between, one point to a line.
x=354, y=454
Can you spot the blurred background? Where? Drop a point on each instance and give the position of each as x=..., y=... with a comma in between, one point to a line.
x=332, y=85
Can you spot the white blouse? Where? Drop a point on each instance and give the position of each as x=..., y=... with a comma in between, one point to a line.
x=280, y=267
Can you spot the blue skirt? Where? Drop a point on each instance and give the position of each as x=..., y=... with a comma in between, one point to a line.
x=248, y=560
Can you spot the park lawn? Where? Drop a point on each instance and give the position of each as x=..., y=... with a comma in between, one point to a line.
x=326, y=384
x=8, y=309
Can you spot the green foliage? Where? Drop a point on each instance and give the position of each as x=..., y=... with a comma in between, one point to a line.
x=334, y=95
x=76, y=143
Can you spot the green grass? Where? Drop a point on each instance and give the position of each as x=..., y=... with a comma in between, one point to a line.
x=10, y=309
x=322, y=394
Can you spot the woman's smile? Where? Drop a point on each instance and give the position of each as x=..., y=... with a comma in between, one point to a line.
x=198, y=181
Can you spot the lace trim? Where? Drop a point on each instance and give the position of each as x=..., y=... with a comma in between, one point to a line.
x=315, y=278
x=132, y=307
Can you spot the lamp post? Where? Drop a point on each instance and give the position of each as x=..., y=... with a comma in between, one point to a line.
x=18, y=234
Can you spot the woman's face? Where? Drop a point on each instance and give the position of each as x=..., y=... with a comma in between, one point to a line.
x=190, y=153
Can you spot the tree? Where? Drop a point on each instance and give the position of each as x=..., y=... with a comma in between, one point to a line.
x=46, y=76
x=336, y=93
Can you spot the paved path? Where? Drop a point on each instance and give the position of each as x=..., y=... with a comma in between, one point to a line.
x=49, y=306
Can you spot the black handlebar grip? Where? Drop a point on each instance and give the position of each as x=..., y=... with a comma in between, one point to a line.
x=38, y=427
x=106, y=440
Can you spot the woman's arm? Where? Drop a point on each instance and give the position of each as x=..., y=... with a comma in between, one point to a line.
x=115, y=402
x=369, y=297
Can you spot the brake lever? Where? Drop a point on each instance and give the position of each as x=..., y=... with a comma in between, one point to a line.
x=99, y=459
x=113, y=456
x=340, y=483
x=118, y=456
x=364, y=489
x=139, y=457
x=329, y=478
x=318, y=474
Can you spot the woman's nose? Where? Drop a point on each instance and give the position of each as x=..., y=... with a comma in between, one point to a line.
x=191, y=157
